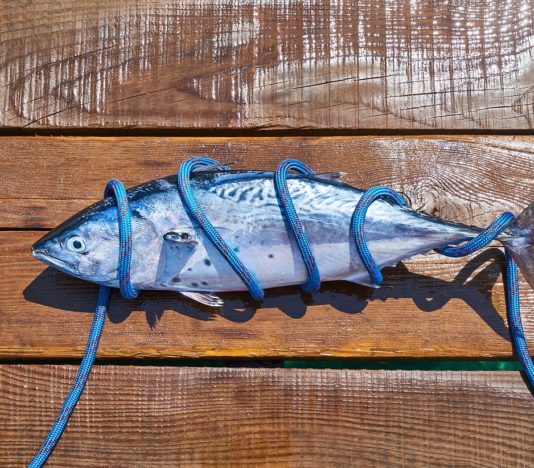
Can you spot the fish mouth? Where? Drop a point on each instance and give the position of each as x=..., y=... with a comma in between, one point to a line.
x=44, y=256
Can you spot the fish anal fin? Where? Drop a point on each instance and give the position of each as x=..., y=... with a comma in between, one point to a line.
x=361, y=279
x=362, y=276
x=209, y=299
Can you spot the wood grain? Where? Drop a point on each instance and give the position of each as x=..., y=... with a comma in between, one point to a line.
x=463, y=178
x=430, y=306
x=141, y=416
x=283, y=64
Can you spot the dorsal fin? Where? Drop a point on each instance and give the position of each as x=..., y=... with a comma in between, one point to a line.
x=331, y=175
x=214, y=167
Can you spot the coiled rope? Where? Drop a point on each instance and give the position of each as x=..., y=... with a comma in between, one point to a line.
x=357, y=227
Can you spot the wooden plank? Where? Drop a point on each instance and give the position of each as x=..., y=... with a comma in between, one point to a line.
x=465, y=178
x=430, y=306
x=139, y=416
x=280, y=64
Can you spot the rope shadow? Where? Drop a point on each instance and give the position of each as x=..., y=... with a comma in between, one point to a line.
x=473, y=284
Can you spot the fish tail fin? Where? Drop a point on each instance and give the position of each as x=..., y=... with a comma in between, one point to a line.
x=519, y=241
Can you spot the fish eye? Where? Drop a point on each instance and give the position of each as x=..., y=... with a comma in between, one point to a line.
x=76, y=244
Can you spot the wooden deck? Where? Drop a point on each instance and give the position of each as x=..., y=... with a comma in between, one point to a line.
x=205, y=416
x=434, y=99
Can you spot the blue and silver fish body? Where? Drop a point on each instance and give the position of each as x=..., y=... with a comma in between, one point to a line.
x=170, y=252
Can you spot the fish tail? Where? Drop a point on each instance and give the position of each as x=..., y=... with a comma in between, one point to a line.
x=519, y=240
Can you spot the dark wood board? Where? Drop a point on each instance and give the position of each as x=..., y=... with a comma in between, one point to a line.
x=470, y=179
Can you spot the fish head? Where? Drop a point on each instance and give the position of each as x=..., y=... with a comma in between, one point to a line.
x=84, y=246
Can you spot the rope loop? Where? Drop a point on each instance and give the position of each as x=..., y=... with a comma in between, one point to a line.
x=124, y=218
x=292, y=220
x=358, y=222
x=197, y=214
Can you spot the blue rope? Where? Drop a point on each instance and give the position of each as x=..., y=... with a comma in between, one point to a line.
x=197, y=214
x=124, y=219
x=513, y=311
x=357, y=226
x=116, y=189
x=513, y=306
x=78, y=385
x=480, y=241
x=292, y=220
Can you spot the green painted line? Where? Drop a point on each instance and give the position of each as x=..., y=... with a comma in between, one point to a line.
x=406, y=364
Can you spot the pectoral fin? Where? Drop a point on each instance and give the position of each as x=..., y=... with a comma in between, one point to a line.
x=209, y=299
x=182, y=236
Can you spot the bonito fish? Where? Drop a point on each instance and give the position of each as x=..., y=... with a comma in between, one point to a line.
x=171, y=253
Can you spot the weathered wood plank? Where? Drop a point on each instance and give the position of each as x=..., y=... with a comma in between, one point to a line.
x=281, y=64
x=428, y=307
x=469, y=179
x=139, y=416
x=431, y=306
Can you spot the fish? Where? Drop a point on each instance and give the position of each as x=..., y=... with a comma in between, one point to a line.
x=171, y=252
